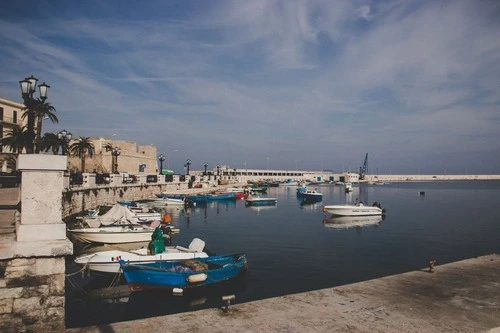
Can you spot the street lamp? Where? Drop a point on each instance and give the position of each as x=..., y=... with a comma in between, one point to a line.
x=28, y=87
x=218, y=168
x=65, y=137
x=205, y=165
x=116, y=151
x=161, y=158
x=188, y=163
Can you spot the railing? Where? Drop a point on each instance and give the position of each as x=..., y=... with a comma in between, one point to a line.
x=9, y=120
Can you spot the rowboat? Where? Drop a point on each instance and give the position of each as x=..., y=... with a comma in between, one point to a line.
x=183, y=273
x=108, y=261
x=358, y=209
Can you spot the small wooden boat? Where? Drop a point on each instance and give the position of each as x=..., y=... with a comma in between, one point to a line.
x=259, y=201
x=184, y=273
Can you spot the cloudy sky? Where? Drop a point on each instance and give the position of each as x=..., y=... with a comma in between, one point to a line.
x=305, y=85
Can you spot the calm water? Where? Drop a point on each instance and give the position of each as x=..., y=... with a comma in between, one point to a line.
x=293, y=248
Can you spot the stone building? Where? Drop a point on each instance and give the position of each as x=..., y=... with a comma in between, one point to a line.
x=10, y=116
x=133, y=158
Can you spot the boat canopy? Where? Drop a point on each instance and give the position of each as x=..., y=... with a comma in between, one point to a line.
x=116, y=214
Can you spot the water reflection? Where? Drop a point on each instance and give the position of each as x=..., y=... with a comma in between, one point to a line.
x=346, y=222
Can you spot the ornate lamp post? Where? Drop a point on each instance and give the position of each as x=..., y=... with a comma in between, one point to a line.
x=218, y=168
x=188, y=163
x=28, y=87
x=205, y=165
x=65, y=137
x=161, y=158
x=116, y=152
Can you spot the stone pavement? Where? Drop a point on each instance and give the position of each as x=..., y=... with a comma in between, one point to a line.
x=462, y=296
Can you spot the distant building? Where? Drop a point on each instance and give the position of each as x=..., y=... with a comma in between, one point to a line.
x=133, y=158
x=10, y=116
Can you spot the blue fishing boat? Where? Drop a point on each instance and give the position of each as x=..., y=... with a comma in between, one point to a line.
x=183, y=273
x=221, y=196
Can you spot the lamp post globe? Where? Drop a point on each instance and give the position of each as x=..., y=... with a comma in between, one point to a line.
x=65, y=137
x=188, y=163
x=28, y=88
x=161, y=158
x=205, y=165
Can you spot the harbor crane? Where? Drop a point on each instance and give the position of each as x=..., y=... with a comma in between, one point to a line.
x=363, y=169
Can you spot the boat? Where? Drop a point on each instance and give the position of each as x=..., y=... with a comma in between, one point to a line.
x=311, y=196
x=129, y=233
x=178, y=275
x=107, y=261
x=256, y=189
x=346, y=222
x=358, y=209
x=221, y=196
x=348, y=187
x=119, y=213
x=260, y=201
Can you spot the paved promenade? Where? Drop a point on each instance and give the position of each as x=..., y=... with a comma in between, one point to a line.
x=459, y=297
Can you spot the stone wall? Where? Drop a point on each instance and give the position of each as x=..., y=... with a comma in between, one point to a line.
x=32, y=295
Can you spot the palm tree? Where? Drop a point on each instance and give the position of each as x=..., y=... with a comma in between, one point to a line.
x=16, y=140
x=51, y=141
x=41, y=110
x=81, y=148
x=109, y=147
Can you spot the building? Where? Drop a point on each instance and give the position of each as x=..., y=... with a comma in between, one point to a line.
x=133, y=158
x=10, y=117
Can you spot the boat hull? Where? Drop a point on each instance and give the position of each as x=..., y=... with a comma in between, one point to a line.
x=353, y=210
x=167, y=275
x=108, y=261
x=112, y=235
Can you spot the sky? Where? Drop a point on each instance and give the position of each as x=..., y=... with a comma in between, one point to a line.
x=290, y=85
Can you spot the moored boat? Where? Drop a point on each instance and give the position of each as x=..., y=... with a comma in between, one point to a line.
x=108, y=261
x=183, y=274
x=113, y=234
x=358, y=209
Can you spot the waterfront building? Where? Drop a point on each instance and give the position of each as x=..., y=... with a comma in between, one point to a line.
x=133, y=158
x=10, y=117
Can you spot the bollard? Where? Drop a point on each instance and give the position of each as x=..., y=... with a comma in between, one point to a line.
x=227, y=299
x=432, y=263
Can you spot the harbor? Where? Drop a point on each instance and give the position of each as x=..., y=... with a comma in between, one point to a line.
x=463, y=296
x=304, y=301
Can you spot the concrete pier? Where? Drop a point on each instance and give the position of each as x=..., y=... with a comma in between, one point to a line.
x=458, y=297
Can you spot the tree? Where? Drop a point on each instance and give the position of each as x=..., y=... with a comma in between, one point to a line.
x=16, y=139
x=41, y=110
x=51, y=141
x=81, y=148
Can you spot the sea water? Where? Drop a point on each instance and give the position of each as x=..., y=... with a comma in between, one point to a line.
x=293, y=248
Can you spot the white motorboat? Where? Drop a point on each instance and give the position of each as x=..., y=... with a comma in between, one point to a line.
x=358, y=209
x=113, y=234
x=107, y=261
x=119, y=213
x=346, y=222
x=348, y=187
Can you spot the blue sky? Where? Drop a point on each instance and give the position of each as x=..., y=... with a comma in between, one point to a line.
x=281, y=84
